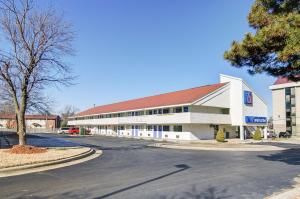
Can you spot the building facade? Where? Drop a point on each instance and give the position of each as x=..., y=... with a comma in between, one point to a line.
x=286, y=106
x=191, y=114
x=8, y=121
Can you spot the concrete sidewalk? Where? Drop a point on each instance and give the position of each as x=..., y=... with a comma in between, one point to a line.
x=219, y=146
x=60, y=153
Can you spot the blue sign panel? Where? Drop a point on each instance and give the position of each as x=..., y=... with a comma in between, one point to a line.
x=253, y=119
x=248, y=98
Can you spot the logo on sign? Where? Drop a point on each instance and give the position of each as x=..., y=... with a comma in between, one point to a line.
x=253, y=119
x=248, y=98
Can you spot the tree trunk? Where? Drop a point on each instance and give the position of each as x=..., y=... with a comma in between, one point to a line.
x=21, y=128
x=17, y=122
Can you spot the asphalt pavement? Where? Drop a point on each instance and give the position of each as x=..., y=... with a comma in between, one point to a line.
x=130, y=169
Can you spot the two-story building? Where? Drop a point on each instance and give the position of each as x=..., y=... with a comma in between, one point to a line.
x=191, y=114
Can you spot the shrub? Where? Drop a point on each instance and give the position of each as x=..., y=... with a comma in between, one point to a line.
x=220, y=136
x=257, y=134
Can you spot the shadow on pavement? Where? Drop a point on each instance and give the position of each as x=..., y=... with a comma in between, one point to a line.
x=209, y=193
x=288, y=156
x=181, y=167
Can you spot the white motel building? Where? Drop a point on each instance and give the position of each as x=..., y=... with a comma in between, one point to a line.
x=185, y=115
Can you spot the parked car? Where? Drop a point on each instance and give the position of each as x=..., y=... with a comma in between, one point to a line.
x=271, y=134
x=63, y=130
x=284, y=135
x=74, y=130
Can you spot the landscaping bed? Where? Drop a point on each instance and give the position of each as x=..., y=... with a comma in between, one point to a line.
x=8, y=159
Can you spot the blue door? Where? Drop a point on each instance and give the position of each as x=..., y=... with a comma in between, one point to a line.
x=154, y=131
x=136, y=131
x=160, y=132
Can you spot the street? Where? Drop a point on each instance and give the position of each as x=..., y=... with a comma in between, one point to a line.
x=129, y=168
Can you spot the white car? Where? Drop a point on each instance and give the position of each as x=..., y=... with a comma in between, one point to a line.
x=63, y=130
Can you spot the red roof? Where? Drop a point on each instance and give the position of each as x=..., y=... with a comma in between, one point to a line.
x=29, y=117
x=284, y=80
x=178, y=97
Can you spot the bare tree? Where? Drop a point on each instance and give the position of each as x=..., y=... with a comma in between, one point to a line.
x=68, y=111
x=7, y=108
x=37, y=40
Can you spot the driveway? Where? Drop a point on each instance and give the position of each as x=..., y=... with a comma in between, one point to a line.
x=130, y=169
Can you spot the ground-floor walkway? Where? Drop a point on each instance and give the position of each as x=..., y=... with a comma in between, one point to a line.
x=129, y=168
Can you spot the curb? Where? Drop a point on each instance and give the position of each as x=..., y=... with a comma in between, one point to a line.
x=168, y=146
x=49, y=163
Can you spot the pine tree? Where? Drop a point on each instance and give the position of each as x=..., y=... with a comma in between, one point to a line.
x=275, y=46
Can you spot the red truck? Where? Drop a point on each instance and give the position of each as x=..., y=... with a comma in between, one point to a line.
x=74, y=130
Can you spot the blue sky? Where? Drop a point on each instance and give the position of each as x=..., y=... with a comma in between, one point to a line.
x=134, y=48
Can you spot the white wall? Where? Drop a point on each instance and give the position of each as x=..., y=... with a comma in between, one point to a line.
x=258, y=108
x=236, y=98
x=238, y=110
x=199, y=131
x=220, y=98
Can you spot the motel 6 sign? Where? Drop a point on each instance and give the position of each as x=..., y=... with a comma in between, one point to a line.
x=248, y=98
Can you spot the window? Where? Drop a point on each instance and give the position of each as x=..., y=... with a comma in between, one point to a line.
x=290, y=109
x=293, y=91
x=293, y=101
x=178, y=128
x=178, y=110
x=293, y=111
x=154, y=112
x=166, y=111
x=185, y=109
x=166, y=128
x=225, y=111
x=149, y=128
x=159, y=111
x=150, y=112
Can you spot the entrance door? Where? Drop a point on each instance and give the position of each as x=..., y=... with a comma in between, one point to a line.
x=160, y=132
x=132, y=131
x=154, y=131
x=118, y=131
x=136, y=131
x=115, y=130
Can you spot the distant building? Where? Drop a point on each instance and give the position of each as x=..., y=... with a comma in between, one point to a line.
x=191, y=114
x=32, y=121
x=286, y=106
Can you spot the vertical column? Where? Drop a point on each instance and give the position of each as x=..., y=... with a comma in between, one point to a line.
x=265, y=130
x=242, y=133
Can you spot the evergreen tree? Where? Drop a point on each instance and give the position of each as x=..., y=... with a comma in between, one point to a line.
x=274, y=48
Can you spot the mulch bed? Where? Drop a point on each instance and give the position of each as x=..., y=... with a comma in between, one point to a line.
x=26, y=149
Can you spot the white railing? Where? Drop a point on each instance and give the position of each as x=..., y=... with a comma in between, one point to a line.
x=173, y=118
x=157, y=135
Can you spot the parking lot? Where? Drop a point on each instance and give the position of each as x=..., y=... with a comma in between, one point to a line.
x=129, y=168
